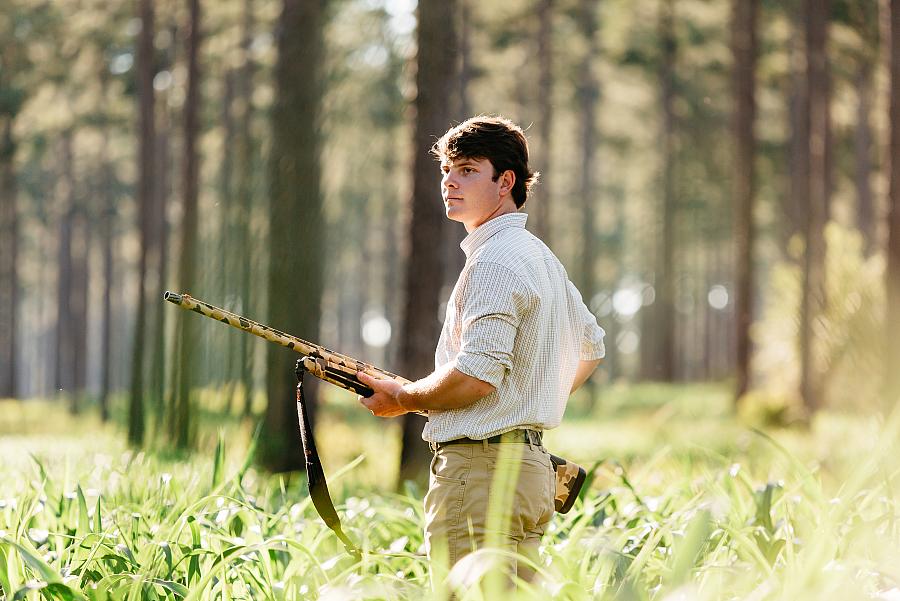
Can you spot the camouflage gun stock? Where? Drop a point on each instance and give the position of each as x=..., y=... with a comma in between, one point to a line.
x=570, y=478
x=319, y=361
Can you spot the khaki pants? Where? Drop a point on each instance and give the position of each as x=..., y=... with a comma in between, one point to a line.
x=499, y=494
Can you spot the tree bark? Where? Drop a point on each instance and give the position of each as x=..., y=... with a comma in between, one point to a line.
x=813, y=297
x=588, y=93
x=146, y=178
x=180, y=432
x=796, y=198
x=744, y=49
x=159, y=248
x=892, y=357
x=79, y=302
x=107, y=216
x=65, y=331
x=454, y=259
x=246, y=158
x=542, y=199
x=9, y=279
x=658, y=344
x=296, y=238
x=863, y=164
x=226, y=247
x=436, y=62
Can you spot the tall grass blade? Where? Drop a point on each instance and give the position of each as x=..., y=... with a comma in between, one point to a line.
x=219, y=461
x=687, y=550
x=84, y=525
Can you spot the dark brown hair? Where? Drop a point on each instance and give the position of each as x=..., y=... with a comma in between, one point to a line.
x=496, y=139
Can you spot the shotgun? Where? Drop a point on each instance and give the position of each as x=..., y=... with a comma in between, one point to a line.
x=325, y=364
x=319, y=361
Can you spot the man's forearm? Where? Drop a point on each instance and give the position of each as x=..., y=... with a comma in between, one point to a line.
x=445, y=388
x=584, y=371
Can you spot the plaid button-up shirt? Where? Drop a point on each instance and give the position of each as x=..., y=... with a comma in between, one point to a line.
x=514, y=320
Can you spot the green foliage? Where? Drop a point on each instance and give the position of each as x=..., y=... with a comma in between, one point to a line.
x=849, y=334
x=92, y=521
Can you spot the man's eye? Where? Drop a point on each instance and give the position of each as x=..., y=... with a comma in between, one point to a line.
x=468, y=170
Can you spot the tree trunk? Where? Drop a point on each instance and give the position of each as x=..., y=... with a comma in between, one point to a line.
x=159, y=248
x=9, y=279
x=436, y=62
x=246, y=159
x=863, y=164
x=180, y=432
x=466, y=70
x=79, y=302
x=588, y=93
x=146, y=178
x=296, y=237
x=454, y=258
x=744, y=49
x=541, y=201
x=65, y=334
x=796, y=198
x=108, y=212
x=224, y=279
x=813, y=297
x=660, y=336
x=892, y=358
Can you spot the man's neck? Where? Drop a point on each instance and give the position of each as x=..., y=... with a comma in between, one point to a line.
x=503, y=209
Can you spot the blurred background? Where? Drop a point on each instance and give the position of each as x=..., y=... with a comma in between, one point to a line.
x=715, y=178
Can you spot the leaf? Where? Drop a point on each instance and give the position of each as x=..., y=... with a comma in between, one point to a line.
x=44, y=570
x=64, y=591
x=4, y=569
x=219, y=461
x=194, y=563
x=97, y=517
x=167, y=553
x=763, y=500
x=686, y=550
x=84, y=525
x=178, y=589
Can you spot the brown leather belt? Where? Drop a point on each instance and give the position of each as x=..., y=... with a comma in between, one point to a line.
x=532, y=436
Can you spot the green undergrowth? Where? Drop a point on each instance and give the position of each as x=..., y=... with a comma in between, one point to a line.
x=683, y=504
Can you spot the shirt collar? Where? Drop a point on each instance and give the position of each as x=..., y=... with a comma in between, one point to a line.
x=487, y=229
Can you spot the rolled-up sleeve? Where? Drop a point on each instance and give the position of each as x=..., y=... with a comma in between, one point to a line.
x=491, y=301
x=592, y=345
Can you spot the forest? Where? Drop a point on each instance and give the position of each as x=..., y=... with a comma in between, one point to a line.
x=720, y=179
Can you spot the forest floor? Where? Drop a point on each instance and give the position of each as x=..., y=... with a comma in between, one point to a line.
x=688, y=502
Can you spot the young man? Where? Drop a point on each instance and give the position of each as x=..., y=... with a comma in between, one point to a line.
x=516, y=341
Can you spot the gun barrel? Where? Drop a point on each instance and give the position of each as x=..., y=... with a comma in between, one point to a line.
x=323, y=363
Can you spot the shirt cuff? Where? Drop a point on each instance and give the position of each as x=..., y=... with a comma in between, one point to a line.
x=593, y=348
x=481, y=368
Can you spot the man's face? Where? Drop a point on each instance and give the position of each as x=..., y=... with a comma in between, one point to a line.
x=470, y=194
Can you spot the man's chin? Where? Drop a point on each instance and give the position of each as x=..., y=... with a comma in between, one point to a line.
x=453, y=214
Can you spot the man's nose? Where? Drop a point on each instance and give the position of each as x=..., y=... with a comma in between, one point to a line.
x=447, y=181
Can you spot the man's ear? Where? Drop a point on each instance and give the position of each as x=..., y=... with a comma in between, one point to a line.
x=507, y=181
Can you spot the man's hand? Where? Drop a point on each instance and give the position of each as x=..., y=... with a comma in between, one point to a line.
x=385, y=400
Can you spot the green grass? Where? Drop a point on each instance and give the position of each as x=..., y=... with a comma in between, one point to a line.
x=686, y=503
